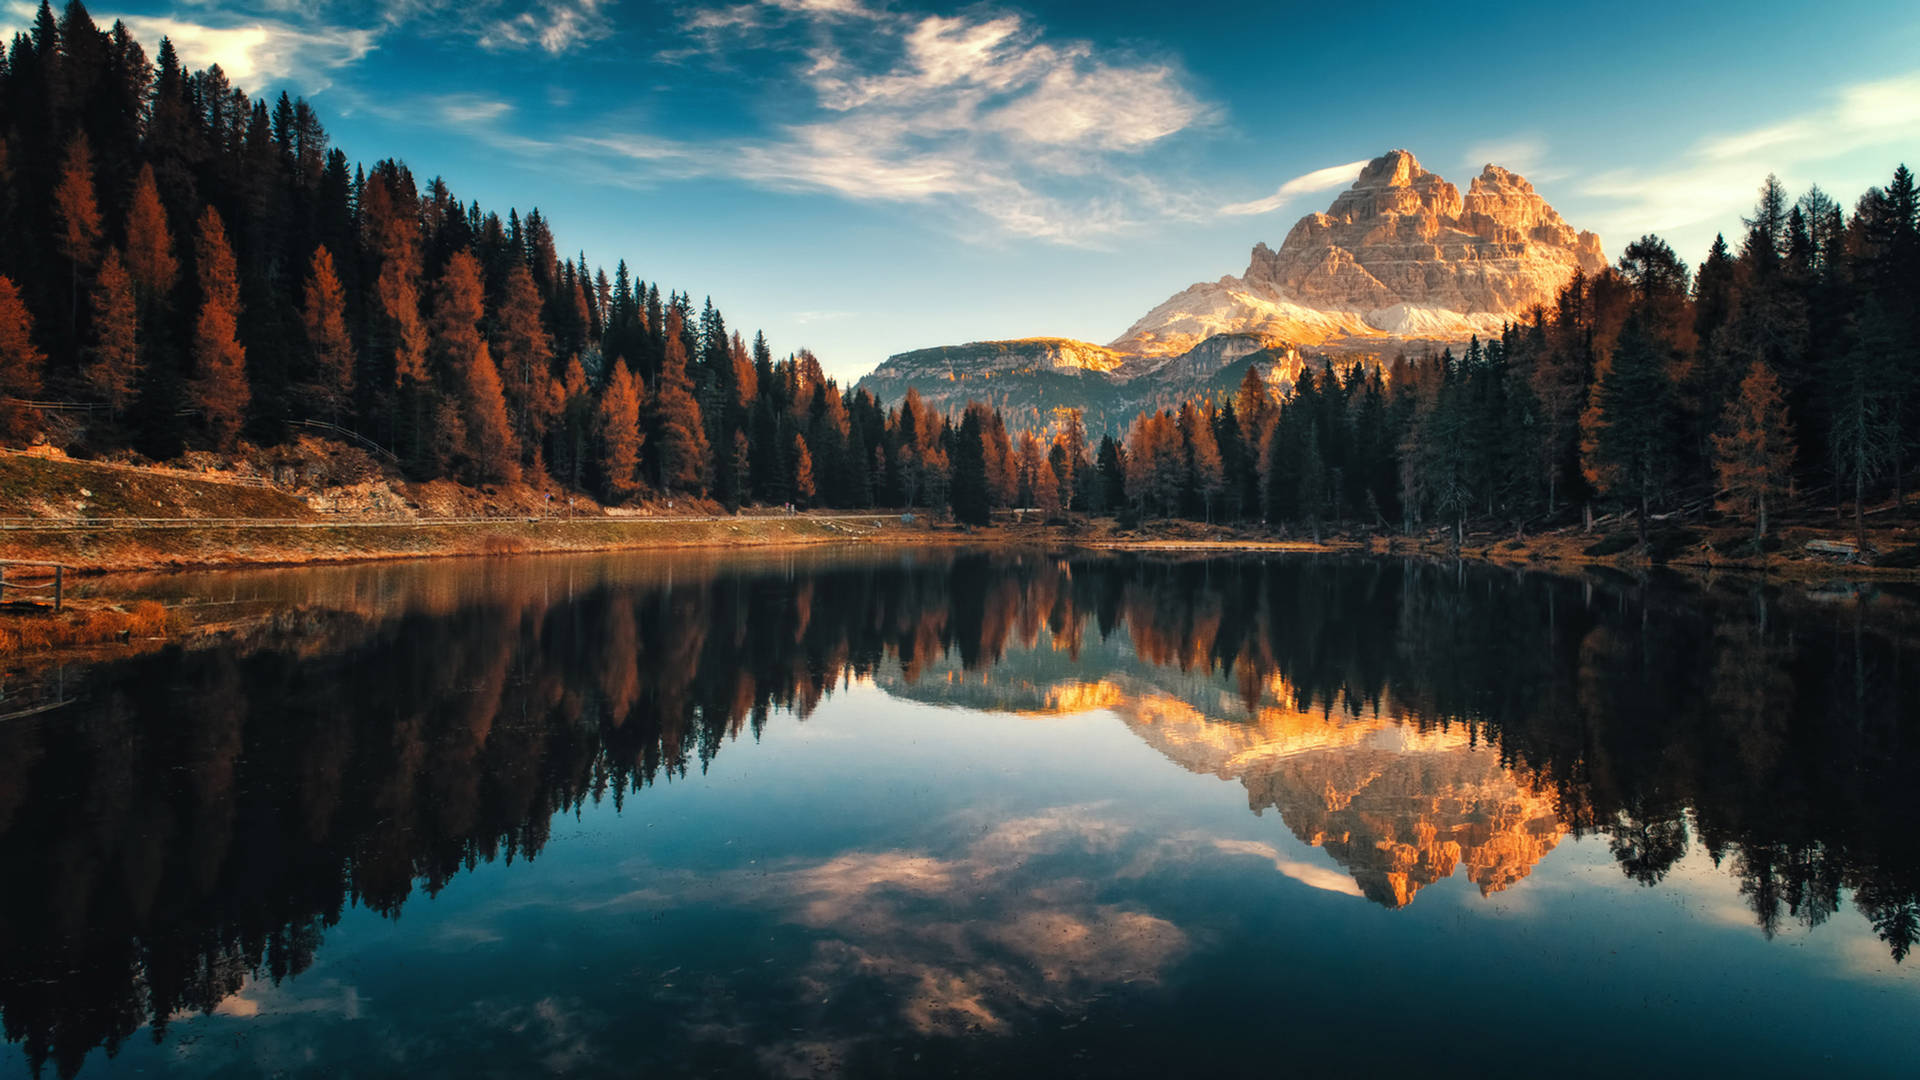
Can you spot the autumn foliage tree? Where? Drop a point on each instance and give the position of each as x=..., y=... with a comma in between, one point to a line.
x=220, y=390
x=1753, y=454
x=329, y=385
x=679, y=436
x=112, y=365
x=76, y=212
x=20, y=364
x=620, y=438
x=464, y=366
x=150, y=261
x=803, y=488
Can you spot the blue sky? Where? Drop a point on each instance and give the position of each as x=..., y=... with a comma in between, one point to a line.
x=866, y=176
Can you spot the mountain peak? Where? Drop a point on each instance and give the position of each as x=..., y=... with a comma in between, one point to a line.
x=1400, y=254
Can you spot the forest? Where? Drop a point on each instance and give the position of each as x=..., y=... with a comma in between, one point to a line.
x=190, y=268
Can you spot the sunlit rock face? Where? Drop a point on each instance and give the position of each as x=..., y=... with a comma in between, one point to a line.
x=1399, y=255
x=1401, y=260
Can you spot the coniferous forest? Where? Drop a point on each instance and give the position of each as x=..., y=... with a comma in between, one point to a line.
x=196, y=269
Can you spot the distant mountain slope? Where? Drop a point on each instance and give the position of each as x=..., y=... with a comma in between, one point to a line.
x=1401, y=260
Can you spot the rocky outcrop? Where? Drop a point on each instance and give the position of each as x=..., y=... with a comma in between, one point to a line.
x=1399, y=255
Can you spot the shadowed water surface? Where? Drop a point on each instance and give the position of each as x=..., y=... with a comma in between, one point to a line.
x=937, y=812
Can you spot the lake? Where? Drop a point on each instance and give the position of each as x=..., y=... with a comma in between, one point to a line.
x=887, y=811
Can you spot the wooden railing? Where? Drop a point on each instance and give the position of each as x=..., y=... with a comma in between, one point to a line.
x=58, y=585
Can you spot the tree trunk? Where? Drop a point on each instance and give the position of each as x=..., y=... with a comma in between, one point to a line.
x=1642, y=522
x=1760, y=533
x=1860, y=512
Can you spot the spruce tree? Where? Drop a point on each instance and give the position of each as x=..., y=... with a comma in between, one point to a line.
x=1628, y=430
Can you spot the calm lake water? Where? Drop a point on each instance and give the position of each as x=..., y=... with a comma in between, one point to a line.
x=891, y=812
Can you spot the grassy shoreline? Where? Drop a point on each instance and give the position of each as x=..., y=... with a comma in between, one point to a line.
x=93, y=623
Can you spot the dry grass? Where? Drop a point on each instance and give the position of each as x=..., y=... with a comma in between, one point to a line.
x=42, y=630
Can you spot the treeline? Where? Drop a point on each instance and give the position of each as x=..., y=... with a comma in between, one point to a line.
x=204, y=268
x=1787, y=367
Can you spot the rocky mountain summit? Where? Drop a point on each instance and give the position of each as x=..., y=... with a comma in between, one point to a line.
x=1399, y=256
x=1399, y=260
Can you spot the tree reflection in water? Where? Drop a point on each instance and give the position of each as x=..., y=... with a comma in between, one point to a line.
x=203, y=815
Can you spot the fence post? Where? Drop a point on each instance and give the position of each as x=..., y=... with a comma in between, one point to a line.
x=59, y=581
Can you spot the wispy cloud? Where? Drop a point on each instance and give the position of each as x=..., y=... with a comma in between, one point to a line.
x=1326, y=179
x=1017, y=133
x=554, y=26
x=1718, y=177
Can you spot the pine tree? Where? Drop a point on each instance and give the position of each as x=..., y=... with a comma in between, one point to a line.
x=1627, y=432
x=525, y=353
x=150, y=261
x=971, y=503
x=112, y=366
x=1860, y=431
x=330, y=390
x=220, y=390
x=20, y=365
x=1753, y=452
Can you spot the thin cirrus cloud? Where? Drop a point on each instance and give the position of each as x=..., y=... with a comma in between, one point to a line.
x=554, y=26
x=1326, y=179
x=1718, y=178
x=1016, y=134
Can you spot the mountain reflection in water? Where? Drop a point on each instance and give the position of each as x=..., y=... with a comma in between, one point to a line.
x=192, y=829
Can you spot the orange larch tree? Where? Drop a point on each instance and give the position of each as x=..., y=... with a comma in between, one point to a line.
x=680, y=438
x=220, y=388
x=20, y=365
x=76, y=213
x=465, y=366
x=1753, y=453
x=620, y=438
x=803, y=491
x=150, y=261
x=330, y=389
x=395, y=239
x=112, y=365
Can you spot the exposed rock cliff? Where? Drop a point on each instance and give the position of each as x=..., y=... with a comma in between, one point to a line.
x=1399, y=255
